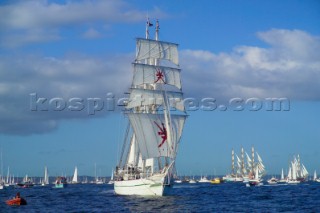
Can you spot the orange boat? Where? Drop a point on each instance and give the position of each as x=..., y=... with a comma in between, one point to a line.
x=16, y=202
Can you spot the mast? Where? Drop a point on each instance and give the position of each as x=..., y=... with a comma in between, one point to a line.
x=252, y=161
x=148, y=24
x=242, y=161
x=157, y=30
x=232, y=163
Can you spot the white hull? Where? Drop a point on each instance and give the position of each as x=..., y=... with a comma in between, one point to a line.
x=293, y=181
x=153, y=185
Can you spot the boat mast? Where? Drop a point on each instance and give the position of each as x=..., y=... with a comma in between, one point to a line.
x=232, y=159
x=148, y=24
x=242, y=162
x=156, y=62
x=252, y=162
x=157, y=30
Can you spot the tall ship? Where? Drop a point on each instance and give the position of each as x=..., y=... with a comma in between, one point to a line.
x=156, y=117
x=245, y=168
x=297, y=171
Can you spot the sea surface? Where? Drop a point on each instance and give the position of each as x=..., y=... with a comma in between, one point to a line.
x=185, y=197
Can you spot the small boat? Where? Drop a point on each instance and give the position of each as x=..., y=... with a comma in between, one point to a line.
x=61, y=182
x=256, y=180
x=204, y=180
x=192, y=181
x=99, y=181
x=16, y=202
x=273, y=180
x=178, y=181
x=25, y=184
x=215, y=181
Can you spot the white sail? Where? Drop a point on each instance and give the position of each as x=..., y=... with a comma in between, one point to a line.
x=304, y=171
x=148, y=74
x=289, y=173
x=133, y=152
x=149, y=130
x=46, y=176
x=248, y=158
x=152, y=49
x=75, y=175
x=315, y=175
x=147, y=97
x=282, y=175
x=256, y=176
x=294, y=171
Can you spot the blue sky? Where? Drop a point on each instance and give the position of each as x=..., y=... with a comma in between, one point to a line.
x=228, y=49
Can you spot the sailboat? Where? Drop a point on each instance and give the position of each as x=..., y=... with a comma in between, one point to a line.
x=282, y=180
x=75, y=176
x=147, y=162
x=292, y=175
x=256, y=180
x=45, y=180
x=111, y=181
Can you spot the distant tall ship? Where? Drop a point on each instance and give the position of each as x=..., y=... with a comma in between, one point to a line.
x=297, y=171
x=245, y=168
x=147, y=161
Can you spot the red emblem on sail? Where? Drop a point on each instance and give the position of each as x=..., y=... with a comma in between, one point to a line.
x=159, y=76
x=162, y=133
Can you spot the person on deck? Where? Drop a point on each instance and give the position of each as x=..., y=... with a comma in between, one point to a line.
x=22, y=200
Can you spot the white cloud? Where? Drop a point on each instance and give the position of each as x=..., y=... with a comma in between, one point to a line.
x=26, y=18
x=91, y=34
x=290, y=68
x=73, y=76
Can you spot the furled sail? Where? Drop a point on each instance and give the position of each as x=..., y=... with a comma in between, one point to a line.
x=148, y=74
x=151, y=134
x=152, y=49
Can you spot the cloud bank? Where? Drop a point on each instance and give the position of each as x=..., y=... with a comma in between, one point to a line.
x=33, y=21
x=289, y=67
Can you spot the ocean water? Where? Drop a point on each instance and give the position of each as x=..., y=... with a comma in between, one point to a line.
x=185, y=197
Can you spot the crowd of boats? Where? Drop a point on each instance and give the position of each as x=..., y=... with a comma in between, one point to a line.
x=59, y=181
x=251, y=171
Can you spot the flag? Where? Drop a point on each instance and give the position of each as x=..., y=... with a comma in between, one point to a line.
x=149, y=24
